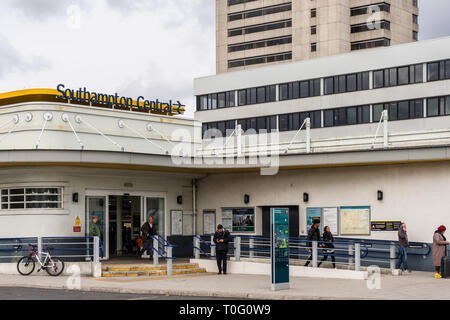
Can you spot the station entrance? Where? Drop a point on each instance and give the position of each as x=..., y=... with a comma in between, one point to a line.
x=120, y=217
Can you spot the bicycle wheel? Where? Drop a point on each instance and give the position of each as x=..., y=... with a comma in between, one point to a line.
x=25, y=266
x=54, y=266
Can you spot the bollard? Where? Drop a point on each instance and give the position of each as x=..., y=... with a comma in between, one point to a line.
x=39, y=247
x=350, y=255
x=357, y=256
x=197, y=247
x=169, y=261
x=251, y=246
x=213, y=248
x=314, y=254
x=392, y=256
x=237, y=248
x=155, y=251
x=96, y=249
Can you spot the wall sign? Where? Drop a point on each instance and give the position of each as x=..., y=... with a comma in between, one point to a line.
x=279, y=247
x=385, y=225
x=227, y=219
x=330, y=218
x=243, y=219
x=209, y=221
x=82, y=95
x=311, y=215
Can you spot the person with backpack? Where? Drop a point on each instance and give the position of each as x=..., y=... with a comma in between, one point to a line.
x=439, y=250
x=313, y=235
x=328, y=239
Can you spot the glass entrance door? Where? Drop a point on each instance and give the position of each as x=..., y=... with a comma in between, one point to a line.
x=155, y=207
x=96, y=208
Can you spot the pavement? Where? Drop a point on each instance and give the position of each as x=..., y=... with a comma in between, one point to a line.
x=417, y=285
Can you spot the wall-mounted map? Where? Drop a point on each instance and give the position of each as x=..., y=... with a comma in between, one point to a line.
x=355, y=221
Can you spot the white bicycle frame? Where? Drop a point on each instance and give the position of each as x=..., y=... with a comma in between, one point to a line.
x=47, y=257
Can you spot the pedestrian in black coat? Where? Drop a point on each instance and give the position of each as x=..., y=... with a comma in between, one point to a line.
x=328, y=240
x=313, y=235
x=221, y=238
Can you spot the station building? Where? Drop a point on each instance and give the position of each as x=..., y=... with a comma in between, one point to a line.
x=373, y=144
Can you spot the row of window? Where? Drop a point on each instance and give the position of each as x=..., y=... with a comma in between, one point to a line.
x=216, y=100
x=376, y=25
x=257, y=95
x=300, y=89
x=397, y=76
x=368, y=9
x=398, y=110
x=259, y=44
x=260, y=27
x=31, y=198
x=260, y=59
x=373, y=43
x=260, y=12
x=233, y=2
x=347, y=83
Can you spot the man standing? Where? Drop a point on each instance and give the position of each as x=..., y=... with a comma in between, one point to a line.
x=313, y=235
x=148, y=229
x=221, y=239
x=403, y=242
x=94, y=230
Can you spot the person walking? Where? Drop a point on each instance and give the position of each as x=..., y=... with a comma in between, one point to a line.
x=439, y=250
x=148, y=229
x=328, y=239
x=313, y=235
x=404, y=243
x=221, y=239
x=94, y=229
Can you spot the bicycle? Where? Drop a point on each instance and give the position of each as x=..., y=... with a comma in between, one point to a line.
x=53, y=265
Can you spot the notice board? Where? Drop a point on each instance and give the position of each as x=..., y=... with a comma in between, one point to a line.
x=330, y=218
x=355, y=221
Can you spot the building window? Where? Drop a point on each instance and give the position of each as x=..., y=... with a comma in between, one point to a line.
x=313, y=47
x=313, y=13
x=377, y=25
x=438, y=106
x=346, y=116
x=439, y=70
x=313, y=30
x=347, y=83
x=415, y=35
x=415, y=3
x=415, y=18
x=234, y=2
x=260, y=28
x=259, y=44
x=402, y=110
x=260, y=60
x=300, y=89
x=398, y=76
x=259, y=12
x=373, y=43
x=368, y=9
x=32, y=198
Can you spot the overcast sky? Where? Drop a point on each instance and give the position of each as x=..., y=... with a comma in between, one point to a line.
x=152, y=48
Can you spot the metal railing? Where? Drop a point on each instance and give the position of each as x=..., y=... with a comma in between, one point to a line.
x=352, y=253
x=162, y=248
x=72, y=249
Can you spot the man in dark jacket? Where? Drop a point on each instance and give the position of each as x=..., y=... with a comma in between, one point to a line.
x=148, y=229
x=403, y=242
x=221, y=239
x=313, y=235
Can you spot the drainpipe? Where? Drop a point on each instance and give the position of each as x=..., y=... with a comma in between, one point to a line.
x=194, y=205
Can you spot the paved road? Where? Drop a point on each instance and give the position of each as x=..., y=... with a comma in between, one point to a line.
x=17, y=293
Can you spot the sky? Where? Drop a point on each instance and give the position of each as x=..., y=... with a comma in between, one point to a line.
x=150, y=48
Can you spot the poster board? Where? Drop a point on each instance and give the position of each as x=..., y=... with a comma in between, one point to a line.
x=330, y=217
x=176, y=222
x=209, y=221
x=355, y=221
x=243, y=220
x=311, y=215
x=386, y=225
x=227, y=219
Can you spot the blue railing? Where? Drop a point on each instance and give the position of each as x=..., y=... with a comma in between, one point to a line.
x=162, y=244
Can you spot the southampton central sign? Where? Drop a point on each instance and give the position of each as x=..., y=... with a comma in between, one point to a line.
x=82, y=95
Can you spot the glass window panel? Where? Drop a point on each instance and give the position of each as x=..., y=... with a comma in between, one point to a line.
x=328, y=118
x=447, y=69
x=231, y=96
x=441, y=70
x=294, y=121
x=403, y=75
x=366, y=76
x=433, y=107
x=377, y=112
x=441, y=106
x=365, y=114
x=447, y=105
x=221, y=97
x=393, y=77
x=378, y=79
x=316, y=119
x=252, y=96
x=316, y=91
x=284, y=122
x=341, y=115
x=261, y=123
x=242, y=97
x=393, y=111
x=433, y=71
x=304, y=89
x=284, y=92
x=403, y=110
x=342, y=85
x=351, y=82
x=155, y=209
x=418, y=73
x=418, y=109
x=203, y=102
x=272, y=93
x=329, y=85
x=261, y=95
x=295, y=90
x=16, y=191
x=351, y=115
